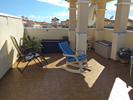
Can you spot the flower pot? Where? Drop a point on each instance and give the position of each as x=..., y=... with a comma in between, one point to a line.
x=65, y=38
x=124, y=62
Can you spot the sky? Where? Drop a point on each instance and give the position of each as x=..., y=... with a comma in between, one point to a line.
x=45, y=10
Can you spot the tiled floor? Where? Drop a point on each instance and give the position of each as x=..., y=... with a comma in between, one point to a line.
x=106, y=80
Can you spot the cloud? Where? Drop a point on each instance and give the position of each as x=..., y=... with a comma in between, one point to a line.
x=62, y=19
x=61, y=3
x=63, y=16
x=131, y=8
x=130, y=17
x=40, y=18
x=64, y=13
x=32, y=16
x=45, y=18
x=111, y=10
x=111, y=5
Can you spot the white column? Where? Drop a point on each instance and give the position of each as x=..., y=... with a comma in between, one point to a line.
x=100, y=21
x=82, y=25
x=72, y=23
x=120, y=27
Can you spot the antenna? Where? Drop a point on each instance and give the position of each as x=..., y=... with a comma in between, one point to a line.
x=111, y=17
x=92, y=14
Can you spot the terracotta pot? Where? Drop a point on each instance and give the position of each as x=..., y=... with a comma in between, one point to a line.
x=65, y=38
x=124, y=62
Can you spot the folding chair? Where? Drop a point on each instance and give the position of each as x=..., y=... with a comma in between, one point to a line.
x=27, y=57
x=72, y=59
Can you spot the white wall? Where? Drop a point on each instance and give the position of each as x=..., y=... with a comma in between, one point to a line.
x=58, y=33
x=46, y=33
x=91, y=33
x=8, y=54
x=129, y=40
x=108, y=34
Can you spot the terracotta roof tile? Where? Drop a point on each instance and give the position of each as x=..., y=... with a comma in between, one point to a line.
x=27, y=20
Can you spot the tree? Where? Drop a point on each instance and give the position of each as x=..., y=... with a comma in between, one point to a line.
x=26, y=18
x=22, y=17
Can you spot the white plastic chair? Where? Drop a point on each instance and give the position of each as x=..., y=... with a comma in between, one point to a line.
x=73, y=60
x=89, y=41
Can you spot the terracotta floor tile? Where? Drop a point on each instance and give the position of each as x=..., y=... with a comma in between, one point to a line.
x=68, y=96
x=7, y=95
x=80, y=97
x=43, y=97
x=54, y=83
x=18, y=98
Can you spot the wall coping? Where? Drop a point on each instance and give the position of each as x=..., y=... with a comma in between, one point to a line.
x=56, y=28
x=101, y=9
x=48, y=28
x=124, y=3
x=128, y=31
x=7, y=15
x=91, y=28
x=82, y=2
x=107, y=29
x=72, y=8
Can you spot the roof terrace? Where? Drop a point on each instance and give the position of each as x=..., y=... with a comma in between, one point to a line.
x=106, y=80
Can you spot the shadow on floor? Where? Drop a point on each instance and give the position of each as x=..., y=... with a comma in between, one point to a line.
x=103, y=82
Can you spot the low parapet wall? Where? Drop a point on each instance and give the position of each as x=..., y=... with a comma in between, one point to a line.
x=9, y=25
x=58, y=33
x=45, y=33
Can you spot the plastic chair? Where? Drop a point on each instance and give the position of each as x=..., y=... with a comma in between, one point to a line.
x=73, y=60
x=89, y=40
x=27, y=57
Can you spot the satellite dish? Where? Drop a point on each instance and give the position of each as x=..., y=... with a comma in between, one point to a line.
x=111, y=17
x=92, y=14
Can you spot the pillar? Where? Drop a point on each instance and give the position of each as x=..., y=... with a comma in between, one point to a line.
x=72, y=24
x=82, y=25
x=99, y=32
x=120, y=27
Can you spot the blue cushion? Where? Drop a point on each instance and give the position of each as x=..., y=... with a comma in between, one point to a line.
x=64, y=46
x=80, y=57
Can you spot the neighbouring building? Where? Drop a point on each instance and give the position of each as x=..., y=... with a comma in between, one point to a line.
x=55, y=21
x=28, y=23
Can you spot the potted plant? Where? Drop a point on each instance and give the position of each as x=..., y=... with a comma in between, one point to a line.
x=124, y=55
x=32, y=42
